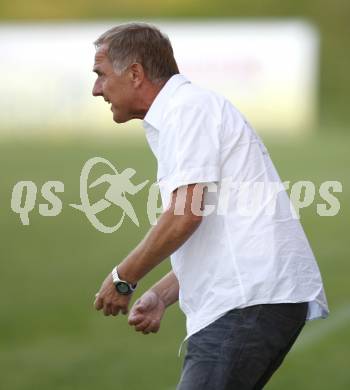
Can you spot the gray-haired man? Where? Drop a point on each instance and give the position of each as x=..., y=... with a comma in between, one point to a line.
x=247, y=282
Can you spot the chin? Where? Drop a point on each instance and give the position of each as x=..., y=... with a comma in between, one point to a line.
x=119, y=119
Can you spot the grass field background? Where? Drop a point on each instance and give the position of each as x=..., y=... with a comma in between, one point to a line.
x=52, y=339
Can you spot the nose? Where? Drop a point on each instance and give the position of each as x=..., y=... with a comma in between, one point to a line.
x=97, y=89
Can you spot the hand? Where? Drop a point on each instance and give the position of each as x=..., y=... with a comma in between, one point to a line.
x=110, y=300
x=147, y=313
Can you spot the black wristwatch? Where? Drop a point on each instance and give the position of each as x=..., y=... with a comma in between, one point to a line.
x=122, y=287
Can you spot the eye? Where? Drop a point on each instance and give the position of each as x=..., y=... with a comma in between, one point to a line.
x=98, y=73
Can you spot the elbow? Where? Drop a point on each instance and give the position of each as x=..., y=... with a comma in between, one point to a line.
x=190, y=222
x=195, y=219
x=186, y=223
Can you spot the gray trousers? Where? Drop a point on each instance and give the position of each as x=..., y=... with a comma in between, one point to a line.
x=242, y=349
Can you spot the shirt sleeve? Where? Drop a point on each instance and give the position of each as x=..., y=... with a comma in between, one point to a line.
x=189, y=146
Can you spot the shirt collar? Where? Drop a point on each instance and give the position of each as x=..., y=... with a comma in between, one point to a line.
x=154, y=113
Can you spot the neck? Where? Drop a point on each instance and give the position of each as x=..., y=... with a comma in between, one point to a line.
x=147, y=96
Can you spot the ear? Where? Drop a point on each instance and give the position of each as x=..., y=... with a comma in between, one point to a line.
x=136, y=74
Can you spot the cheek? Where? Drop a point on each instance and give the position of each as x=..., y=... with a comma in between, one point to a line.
x=129, y=96
x=106, y=86
x=113, y=91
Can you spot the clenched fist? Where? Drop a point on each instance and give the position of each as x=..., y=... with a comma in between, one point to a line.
x=147, y=313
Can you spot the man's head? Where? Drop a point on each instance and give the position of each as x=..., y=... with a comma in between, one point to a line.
x=133, y=61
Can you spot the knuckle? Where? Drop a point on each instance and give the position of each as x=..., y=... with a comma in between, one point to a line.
x=156, y=327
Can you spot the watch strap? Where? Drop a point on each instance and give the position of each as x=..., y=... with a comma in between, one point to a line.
x=116, y=279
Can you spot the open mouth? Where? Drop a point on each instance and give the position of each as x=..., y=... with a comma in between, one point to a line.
x=110, y=104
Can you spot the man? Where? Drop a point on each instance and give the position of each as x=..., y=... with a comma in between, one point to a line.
x=244, y=276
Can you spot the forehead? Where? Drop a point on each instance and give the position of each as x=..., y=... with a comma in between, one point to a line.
x=101, y=57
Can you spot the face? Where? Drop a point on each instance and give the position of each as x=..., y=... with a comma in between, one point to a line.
x=117, y=90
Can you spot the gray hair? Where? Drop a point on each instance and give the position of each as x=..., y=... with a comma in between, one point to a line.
x=141, y=43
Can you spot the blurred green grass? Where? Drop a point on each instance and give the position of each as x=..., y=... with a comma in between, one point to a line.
x=51, y=338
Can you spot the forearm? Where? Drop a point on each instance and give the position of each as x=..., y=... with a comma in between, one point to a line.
x=167, y=289
x=161, y=241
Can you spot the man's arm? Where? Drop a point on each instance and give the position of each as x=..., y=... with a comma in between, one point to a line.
x=162, y=240
x=167, y=289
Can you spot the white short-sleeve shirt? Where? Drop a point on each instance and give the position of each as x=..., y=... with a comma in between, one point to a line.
x=246, y=252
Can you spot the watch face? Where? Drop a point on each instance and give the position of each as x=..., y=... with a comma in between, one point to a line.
x=122, y=288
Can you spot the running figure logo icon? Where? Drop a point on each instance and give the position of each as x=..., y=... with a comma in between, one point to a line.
x=119, y=185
